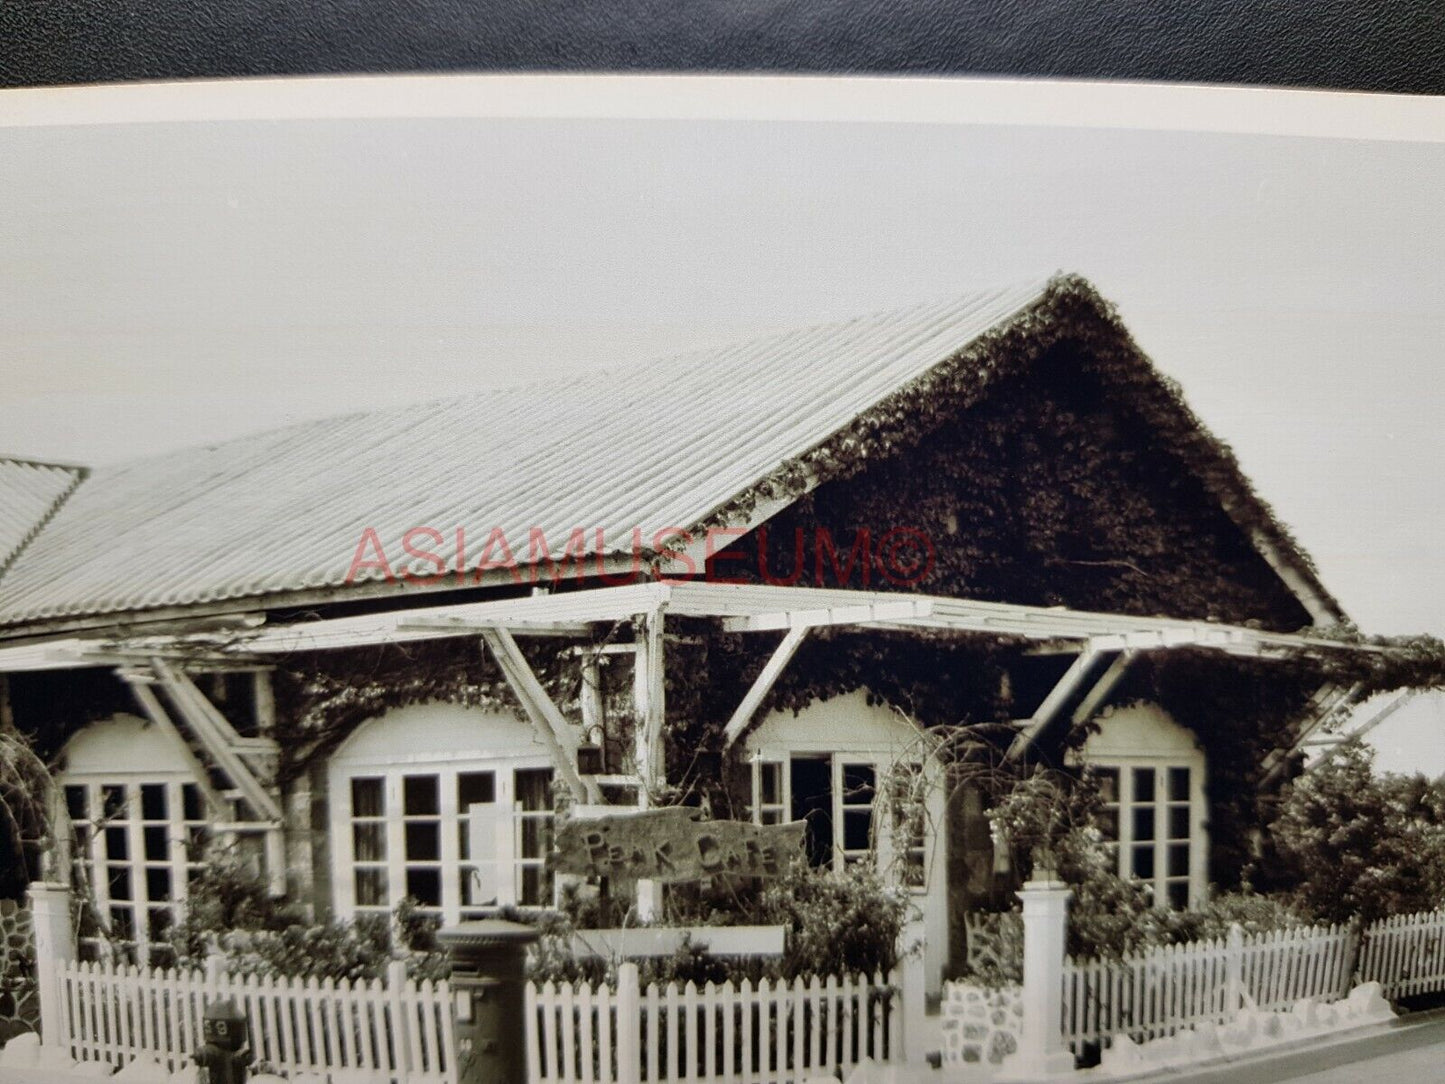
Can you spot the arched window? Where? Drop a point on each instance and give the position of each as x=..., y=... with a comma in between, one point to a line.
x=858, y=774
x=448, y=805
x=139, y=828
x=1151, y=773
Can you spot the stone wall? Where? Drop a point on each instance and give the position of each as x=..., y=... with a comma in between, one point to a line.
x=980, y=1025
x=19, y=998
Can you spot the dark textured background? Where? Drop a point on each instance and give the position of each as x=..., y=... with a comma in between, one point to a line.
x=1346, y=44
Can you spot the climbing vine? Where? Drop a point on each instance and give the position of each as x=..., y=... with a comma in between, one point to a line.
x=1064, y=392
x=322, y=696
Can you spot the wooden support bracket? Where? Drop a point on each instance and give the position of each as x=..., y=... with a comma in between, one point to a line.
x=762, y=685
x=158, y=717
x=546, y=718
x=211, y=730
x=1057, y=698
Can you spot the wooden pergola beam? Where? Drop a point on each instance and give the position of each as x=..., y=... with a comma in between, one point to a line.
x=1094, y=699
x=546, y=718
x=1059, y=695
x=162, y=722
x=763, y=684
x=214, y=733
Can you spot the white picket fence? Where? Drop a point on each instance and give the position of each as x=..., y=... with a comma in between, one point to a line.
x=396, y=1026
x=1405, y=954
x=771, y=1033
x=1164, y=990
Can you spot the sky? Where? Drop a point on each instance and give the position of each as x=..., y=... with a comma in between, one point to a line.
x=169, y=284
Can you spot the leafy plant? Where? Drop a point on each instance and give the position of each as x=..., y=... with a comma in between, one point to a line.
x=228, y=908
x=1347, y=842
x=1052, y=816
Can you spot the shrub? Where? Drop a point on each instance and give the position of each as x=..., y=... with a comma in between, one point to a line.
x=228, y=906
x=1346, y=842
x=1052, y=814
x=834, y=923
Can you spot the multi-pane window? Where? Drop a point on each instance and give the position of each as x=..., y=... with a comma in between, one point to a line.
x=770, y=805
x=138, y=844
x=855, y=804
x=910, y=824
x=1149, y=819
x=460, y=840
x=534, y=836
x=840, y=797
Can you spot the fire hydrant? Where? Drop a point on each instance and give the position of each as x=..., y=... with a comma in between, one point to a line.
x=226, y=1050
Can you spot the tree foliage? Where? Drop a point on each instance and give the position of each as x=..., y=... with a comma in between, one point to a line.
x=1348, y=842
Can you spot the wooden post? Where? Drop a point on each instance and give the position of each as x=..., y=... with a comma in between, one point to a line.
x=651, y=709
x=398, y=1019
x=1234, y=971
x=216, y=964
x=1042, y=1052
x=629, y=1012
x=54, y=945
x=913, y=995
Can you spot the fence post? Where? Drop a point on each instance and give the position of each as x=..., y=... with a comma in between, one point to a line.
x=54, y=945
x=1234, y=971
x=914, y=1006
x=629, y=1013
x=216, y=965
x=1042, y=1052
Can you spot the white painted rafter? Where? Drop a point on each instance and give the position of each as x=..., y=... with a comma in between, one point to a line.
x=738, y=724
x=546, y=718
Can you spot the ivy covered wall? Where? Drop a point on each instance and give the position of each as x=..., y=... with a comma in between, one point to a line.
x=1052, y=491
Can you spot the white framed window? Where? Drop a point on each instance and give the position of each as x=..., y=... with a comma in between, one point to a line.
x=139, y=830
x=862, y=773
x=837, y=794
x=418, y=811
x=408, y=832
x=1151, y=776
x=139, y=845
x=1149, y=822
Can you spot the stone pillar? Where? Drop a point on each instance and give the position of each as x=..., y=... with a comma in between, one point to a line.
x=54, y=945
x=488, y=959
x=1042, y=1053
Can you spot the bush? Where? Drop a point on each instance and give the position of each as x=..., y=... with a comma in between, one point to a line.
x=230, y=908
x=834, y=922
x=837, y=923
x=1052, y=815
x=1346, y=842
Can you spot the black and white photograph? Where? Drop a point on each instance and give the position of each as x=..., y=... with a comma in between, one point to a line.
x=604, y=577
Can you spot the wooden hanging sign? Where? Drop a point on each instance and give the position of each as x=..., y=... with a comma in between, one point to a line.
x=673, y=844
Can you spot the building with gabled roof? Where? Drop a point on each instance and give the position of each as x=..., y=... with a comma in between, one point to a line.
x=772, y=580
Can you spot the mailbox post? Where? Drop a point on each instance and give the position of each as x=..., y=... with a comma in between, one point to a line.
x=488, y=958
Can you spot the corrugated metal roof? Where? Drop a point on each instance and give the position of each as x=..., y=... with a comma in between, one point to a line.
x=650, y=447
x=29, y=493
